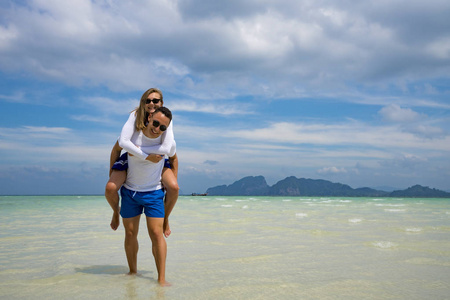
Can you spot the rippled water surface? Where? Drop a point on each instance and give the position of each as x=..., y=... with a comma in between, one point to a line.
x=231, y=248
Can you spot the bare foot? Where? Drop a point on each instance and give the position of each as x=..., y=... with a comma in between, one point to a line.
x=133, y=273
x=115, y=221
x=166, y=228
x=164, y=283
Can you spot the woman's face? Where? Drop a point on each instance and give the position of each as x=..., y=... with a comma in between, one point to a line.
x=150, y=105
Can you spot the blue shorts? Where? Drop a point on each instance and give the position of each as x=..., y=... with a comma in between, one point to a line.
x=167, y=164
x=134, y=202
x=121, y=163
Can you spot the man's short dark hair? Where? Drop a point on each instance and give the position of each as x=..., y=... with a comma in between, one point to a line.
x=165, y=111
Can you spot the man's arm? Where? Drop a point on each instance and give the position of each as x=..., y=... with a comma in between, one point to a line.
x=115, y=154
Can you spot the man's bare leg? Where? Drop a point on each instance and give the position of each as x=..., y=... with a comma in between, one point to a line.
x=172, y=189
x=159, y=247
x=115, y=181
x=131, y=242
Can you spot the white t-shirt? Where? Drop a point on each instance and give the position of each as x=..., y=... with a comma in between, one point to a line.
x=143, y=175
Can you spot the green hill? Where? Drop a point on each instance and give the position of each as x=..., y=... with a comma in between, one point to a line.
x=292, y=186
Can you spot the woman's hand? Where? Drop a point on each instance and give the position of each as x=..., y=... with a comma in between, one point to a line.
x=154, y=158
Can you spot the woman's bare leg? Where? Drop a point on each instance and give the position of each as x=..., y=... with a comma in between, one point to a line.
x=172, y=189
x=115, y=181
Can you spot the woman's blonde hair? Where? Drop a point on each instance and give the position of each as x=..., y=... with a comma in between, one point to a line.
x=141, y=113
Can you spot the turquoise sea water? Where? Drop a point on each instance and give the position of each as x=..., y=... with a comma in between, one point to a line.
x=57, y=247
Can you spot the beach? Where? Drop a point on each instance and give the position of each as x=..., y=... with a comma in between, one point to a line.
x=61, y=247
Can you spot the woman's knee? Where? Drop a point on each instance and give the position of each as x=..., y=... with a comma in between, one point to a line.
x=172, y=187
x=111, y=187
x=169, y=180
x=116, y=180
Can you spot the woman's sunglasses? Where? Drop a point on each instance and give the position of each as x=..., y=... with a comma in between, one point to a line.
x=155, y=101
x=156, y=124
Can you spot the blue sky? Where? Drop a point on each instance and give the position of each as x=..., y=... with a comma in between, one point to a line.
x=355, y=92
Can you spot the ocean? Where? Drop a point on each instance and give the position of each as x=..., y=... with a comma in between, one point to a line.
x=61, y=247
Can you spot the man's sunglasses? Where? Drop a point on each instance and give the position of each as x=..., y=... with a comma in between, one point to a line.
x=155, y=101
x=156, y=124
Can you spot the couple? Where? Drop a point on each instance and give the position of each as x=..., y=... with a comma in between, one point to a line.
x=141, y=177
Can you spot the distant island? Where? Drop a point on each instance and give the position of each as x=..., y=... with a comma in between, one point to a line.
x=292, y=186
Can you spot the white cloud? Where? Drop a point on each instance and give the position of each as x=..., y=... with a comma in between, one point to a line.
x=394, y=113
x=412, y=122
x=210, y=108
x=111, y=106
x=427, y=131
x=390, y=56
x=331, y=170
x=440, y=48
x=8, y=35
x=352, y=133
x=40, y=133
x=282, y=46
x=17, y=97
x=54, y=145
x=303, y=146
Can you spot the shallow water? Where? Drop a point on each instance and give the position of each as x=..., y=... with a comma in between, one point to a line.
x=57, y=247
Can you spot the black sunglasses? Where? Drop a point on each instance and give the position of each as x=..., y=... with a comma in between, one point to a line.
x=156, y=124
x=155, y=101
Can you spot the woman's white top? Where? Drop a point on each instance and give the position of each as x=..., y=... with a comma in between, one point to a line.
x=167, y=140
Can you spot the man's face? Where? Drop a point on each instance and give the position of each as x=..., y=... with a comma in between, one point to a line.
x=156, y=123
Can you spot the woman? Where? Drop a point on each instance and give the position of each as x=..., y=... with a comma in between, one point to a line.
x=150, y=100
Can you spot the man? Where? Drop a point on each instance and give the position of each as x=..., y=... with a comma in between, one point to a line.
x=138, y=119
x=142, y=191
